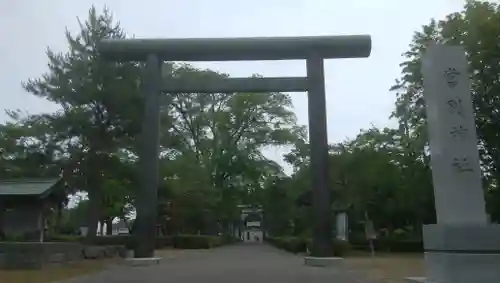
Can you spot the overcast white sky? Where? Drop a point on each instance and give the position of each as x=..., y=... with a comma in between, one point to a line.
x=357, y=89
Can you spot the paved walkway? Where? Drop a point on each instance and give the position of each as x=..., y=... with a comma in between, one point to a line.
x=242, y=263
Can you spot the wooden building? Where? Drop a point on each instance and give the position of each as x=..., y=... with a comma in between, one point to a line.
x=24, y=206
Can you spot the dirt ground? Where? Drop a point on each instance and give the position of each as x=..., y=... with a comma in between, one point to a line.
x=77, y=269
x=56, y=273
x=387, y=268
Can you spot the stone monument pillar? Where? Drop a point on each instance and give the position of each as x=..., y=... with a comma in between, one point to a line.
x=462, y=247
x=341, y=225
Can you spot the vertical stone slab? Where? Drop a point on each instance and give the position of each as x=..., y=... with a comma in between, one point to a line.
x=452, y=134
x=461, y=247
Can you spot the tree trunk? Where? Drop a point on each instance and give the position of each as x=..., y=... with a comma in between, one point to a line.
x=59, y=216
x=101, y=227
x=109, y=226
x=93, y=214
x=2, y=213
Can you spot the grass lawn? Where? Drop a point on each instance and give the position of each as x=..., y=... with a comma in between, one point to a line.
x=387, y=267
x=55, y=274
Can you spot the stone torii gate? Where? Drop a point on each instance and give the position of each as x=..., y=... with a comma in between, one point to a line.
x=313, y=49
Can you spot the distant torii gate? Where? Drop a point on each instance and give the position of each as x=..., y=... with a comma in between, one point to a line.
x=313, y=49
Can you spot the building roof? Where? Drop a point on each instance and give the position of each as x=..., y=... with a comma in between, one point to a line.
x=27, y=187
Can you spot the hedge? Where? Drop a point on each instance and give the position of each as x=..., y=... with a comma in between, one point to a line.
x=63, y=238
x=390, y=245
x=115, y=240
x=195, y=242
x=291, y=244
x=201, y=241
x=178, y=241
x=300, y=245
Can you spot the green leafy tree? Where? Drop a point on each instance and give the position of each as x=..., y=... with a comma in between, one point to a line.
x=101, y=106
x=475, y=28
x=223, y=135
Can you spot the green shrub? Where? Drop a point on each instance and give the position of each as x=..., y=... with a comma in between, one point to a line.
x=114, y=240
x=291, y=244
x=405, y=246
x=229, y=239
x=340, y=247
x=179, y=241
x=63, y=238
x=32, y=236
x=390, y=244
x=129, y=241
x=275, y=241
x=163, y=242
x=295, y=244
x=196, y=241
x=299, y=245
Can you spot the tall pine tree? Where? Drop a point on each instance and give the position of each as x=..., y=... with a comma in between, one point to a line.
x=101, y=107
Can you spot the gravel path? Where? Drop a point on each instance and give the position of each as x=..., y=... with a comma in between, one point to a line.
x=242, y=263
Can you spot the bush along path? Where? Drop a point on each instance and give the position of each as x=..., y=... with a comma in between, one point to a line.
x=303, y=245
x=342, y=248
x=176, y=241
